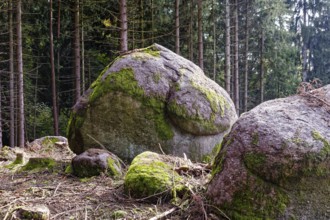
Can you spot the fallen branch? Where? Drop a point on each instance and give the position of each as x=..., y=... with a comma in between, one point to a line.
x=164, y=214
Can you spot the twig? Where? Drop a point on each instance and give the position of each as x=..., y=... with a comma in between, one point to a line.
x=7, y=213
x=161, y=149
x=65, y=212
x=56, y=188
x=221, y=212
x=99, y=143
x=164, y=214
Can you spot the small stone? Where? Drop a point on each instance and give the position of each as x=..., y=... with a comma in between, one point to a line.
x=94, y=161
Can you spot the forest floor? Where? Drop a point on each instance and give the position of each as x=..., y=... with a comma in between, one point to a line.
x=70, y=197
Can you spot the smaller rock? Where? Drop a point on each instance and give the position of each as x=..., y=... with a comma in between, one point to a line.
x=40, y=163
x=94, y=161
x=39, y=212
x=149, y=175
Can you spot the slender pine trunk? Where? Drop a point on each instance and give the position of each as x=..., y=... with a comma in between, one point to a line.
x=123, y=26
x=52, y=64
x=262, y=68
x=77, y=50
x=11, y=78
x=200, y=35
x=21, y=118
x=177, y=27
x=236, y=66
x=246, y=66
x=227, y=49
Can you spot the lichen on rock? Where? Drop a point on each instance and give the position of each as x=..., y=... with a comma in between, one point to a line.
x=150, y=97
x=275, y=164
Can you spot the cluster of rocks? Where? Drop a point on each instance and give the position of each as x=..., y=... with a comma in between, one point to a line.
x=274, y=162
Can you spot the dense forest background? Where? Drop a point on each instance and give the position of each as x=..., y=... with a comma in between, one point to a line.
x=51, y=51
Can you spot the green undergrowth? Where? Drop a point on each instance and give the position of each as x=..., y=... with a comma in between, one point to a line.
x=40, y=163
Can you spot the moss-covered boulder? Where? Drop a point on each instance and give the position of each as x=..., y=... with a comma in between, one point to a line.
x=39, y=163
x=93, y=162
x=151, y=97
x=36, y=212
x=275, y=163
x=152, y=174
x=57, y=146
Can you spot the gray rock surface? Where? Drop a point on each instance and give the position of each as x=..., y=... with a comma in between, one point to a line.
x=275, y=162
x=149, y=98
x=94, y=161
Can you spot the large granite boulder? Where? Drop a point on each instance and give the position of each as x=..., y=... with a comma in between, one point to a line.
x=275, y=163
x=152, y=99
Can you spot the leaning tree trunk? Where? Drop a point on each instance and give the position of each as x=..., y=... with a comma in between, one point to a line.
x=21, y=118
x=77, y=50
x=200, y=35
x=177, y=27
x=11, y=78
x=123, y=26
x=52, y=64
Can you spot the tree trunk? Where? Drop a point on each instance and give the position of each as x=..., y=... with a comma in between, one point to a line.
x=21, y=118
x=200, y=35
x=58, y=50
x=191, y=32
x=0, y=110
x=123, y=26
x=77, y=50
x=236, y=70
x=304, y=46
x=82, y=48
x=11, y=78
x=177, y=27
x=52, y=64
x=214, y=42
x=262, y=68
x=142, y=22
x=246, y=66
x=227, y=50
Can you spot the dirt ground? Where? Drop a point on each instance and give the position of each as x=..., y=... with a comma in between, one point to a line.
x=69, y=197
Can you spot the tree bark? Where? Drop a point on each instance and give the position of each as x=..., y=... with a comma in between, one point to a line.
x=214, y=41
x=200, y=35
x=21, y=118
x=262, y=68
x=236, y=66
x=123, y=26
x=227, y=50
x=177, y=27
x=304, y=47
x=11, y=78
x=246, y=66
x=52, y=64
x=82, y=48
x=77, y=50
x=191, y=32
x=0, y=110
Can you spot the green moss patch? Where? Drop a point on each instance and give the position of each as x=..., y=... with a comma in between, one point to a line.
x=39, y=163
x=257, y=201
x=148, y=176
x=124, y=81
